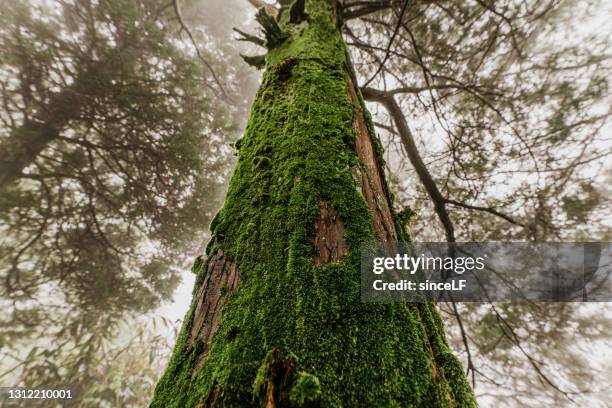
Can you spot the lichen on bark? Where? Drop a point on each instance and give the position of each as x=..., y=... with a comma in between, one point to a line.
x=294, y=332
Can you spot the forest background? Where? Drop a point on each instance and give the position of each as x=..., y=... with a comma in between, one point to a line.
x=117, y=124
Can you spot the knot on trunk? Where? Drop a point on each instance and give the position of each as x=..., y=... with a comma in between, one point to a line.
x=275, y=379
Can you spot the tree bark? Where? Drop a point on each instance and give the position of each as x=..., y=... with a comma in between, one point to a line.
x=439, y=202
x=285, y=327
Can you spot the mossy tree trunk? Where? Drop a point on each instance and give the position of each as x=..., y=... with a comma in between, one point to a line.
x=276, y=319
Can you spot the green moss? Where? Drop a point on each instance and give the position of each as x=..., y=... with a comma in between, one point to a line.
x=307, y=389
x=197, y=265
x=298, y=150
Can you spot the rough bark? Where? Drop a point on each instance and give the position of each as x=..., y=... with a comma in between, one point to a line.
x=222, y=278
x=372, y=185
x=388, y=101
x=329, y=242
x=308, y=189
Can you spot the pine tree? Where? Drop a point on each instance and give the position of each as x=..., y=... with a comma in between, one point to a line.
x=276, y=318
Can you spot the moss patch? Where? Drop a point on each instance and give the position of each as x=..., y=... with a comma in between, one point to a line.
x=296, y=153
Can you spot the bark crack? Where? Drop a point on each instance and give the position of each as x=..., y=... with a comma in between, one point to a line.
x=372, y=183
x=329, y=242
x=222, y=279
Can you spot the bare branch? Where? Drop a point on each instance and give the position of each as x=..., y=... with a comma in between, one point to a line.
x=258, y=3
x=388, y=101
x=250, y=38
x=274, y=34
x=490, y=210
x=179, y=16
x=270, y=9
x=397, y=27
x=466, y=343
x=257, y=61
x=431, y=87
x=364, y=9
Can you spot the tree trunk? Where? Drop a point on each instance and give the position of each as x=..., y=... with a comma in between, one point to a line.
x=276, y=319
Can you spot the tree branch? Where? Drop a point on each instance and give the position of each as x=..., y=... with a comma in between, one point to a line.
x=364, y=9
x=179, y=16
x=397, y=27
x=256, y=61
x=490, y=210
x=272, y=31
x=270, y=9
x=388, y=101
x=466, y=343
x=250, y=38
x=431, y=87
